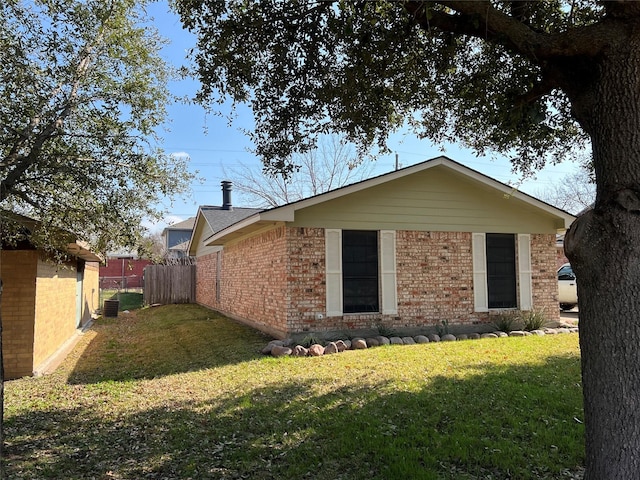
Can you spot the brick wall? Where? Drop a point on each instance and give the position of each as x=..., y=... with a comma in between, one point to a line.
x=543, y=276
x=55, y=313
x=307, y=289
x=253, y=280
x=18, y=310
x=206, y=268
x=434, y=282
x=435, y=278
x=276, y=280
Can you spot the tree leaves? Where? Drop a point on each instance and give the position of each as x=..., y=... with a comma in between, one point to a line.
x=366, y=68
x=83, y=91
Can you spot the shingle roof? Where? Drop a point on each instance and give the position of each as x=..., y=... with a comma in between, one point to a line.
x=184, y=225
x=219, y=218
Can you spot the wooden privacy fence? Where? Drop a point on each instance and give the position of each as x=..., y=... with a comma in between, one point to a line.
x=167, y=284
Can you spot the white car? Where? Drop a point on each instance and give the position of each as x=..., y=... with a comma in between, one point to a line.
x=567, y=288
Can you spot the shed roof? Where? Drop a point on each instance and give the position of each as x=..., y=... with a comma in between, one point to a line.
x=75, y=247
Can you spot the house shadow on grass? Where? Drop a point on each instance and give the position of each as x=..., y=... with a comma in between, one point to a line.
x=512, y=422
x=160, y=341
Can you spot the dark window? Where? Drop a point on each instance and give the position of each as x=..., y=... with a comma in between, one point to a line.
x=501, y=270
x=360, y=271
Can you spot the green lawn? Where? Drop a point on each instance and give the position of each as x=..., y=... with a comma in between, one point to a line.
x=128, y=300
x=177, y=392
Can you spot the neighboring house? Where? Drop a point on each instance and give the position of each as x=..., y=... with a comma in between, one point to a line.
x=123, y=271
x=44, y=303
x=176, y=238
x=431, y=243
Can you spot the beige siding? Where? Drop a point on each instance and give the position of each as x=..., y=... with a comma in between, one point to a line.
x=202, y=233
x=437, y=199
x=18, y=310
x=55, y=314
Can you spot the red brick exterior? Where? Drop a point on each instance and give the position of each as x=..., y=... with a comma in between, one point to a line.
x=206, y=268
x=275, y=281
x=543, y=276
x=435, y=278
x=253, y=281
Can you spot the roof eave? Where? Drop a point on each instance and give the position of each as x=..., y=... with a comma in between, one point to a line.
x=191, y=245
x=81, y=250
x=239, y=229
x=286, y=213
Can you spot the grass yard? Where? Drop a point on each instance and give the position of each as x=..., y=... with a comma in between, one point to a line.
x=128, y=300
x=177, y=392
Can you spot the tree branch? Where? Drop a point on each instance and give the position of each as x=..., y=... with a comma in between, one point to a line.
x=481, y=20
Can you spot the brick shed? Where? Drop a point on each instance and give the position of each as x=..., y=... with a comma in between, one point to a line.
x=43, y=304
x=425, y=244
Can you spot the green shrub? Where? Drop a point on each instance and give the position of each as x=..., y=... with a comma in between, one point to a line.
x=309, y=340
x=533, y=320
x=443, y=328
x=505, y=321
x=385, y=331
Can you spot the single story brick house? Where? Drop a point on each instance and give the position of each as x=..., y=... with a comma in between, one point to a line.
x=431, y=243
x=44, y=303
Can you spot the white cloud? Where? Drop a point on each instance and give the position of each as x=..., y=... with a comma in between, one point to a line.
x=183, y=155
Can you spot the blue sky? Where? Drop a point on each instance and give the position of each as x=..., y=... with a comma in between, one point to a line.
x=211, y=143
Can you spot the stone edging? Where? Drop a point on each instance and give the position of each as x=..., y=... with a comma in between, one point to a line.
x=280, y=348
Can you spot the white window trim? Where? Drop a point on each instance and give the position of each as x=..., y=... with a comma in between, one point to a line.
x=480, y=289
x=333, y=271
x=387, y=271
x=524, y=271
x=387, y=265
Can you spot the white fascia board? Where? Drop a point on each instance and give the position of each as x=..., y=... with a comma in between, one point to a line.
x=196, y=229
x=509, y=191
x=286, y=213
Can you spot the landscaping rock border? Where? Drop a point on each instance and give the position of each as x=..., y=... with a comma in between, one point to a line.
x=281, y=348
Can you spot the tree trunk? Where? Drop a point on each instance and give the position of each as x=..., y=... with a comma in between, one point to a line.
x=604, y=248
x=2, y=470
x=1, y=386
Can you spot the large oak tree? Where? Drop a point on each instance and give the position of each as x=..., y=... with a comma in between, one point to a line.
x=531, y=80
x=83, y=91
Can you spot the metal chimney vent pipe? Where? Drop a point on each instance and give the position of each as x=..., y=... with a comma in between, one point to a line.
x=226, y=195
